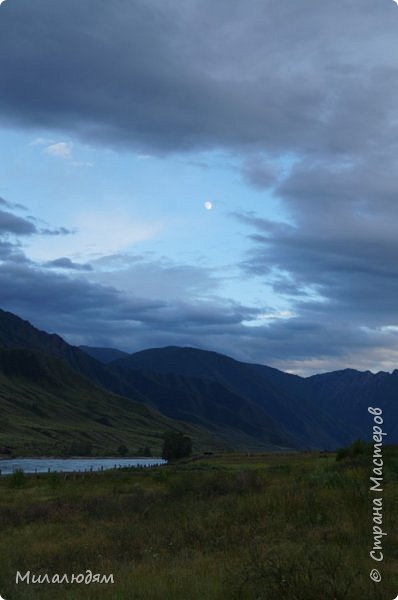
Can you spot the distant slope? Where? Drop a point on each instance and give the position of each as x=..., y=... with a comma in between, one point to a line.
x=234, y=418
x=280, y=398
x=104, y=355
x=247, y=406
x=247, y=428
x=349, y=393
x=47, y=408
x=17, y=333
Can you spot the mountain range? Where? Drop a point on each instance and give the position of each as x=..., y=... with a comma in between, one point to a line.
x=54, y=395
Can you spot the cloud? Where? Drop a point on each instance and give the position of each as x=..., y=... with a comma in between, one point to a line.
x=129, y=300
x=334, y=264
x=67, y=263
x=40, y=141
x=58, y=231
x=14, y=230
x=10, y=223
x=304, y=96
x=340, y=243
x=164, y=77
x=139, y=301
x=12, y=206
x=260, y=173
x=80, y=309
x=59, y=149
x=146, y=276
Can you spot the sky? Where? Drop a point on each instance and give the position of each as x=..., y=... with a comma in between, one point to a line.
x=219, y=174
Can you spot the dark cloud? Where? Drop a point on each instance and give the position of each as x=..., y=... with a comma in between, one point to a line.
x=7, y=250
x=318, y=78
x=57, y=231
x=93, y=313
x=160, y=300
x=260, y=173
x=304, y=91
x=340, y=244
x=10, y=223
x=78, y=308
x=146, y=275
x=336, y=266
x=11, y=205
x=67, y=263
x=98, y=314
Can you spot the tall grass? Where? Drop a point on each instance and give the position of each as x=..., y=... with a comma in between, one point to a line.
x=231, y=527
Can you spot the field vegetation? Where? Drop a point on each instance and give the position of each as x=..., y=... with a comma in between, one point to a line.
x=215, y=527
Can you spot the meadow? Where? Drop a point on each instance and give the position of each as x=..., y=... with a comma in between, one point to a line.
x=231, y=526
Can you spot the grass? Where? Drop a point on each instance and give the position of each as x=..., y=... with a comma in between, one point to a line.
x=76, y=418
x=260, y=527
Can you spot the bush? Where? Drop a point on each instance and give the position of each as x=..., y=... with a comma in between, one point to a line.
x=146, y=451
x=17, y=479
x=176, y=445
x=357, y=448
x=122, y=450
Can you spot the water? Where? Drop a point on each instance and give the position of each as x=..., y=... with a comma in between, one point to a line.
x=68, y=465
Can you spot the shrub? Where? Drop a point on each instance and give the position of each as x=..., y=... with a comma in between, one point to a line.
x=122, y=450
x=176, y=445
x=357, y=448
x=17, y=479
x=145, y=451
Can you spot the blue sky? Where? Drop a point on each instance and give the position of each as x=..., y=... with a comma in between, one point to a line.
x=120, y=120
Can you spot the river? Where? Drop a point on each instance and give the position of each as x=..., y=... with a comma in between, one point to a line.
x=69, y=465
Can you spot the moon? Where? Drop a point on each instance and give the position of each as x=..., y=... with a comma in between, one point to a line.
x=209, y=205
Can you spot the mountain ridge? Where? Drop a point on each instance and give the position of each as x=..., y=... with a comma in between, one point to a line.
x=247, y=405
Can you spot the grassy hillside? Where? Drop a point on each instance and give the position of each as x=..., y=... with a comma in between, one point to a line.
x=234, y=419
x=16, y=333
x=246, y=406
x=47, y=408
x=277, y=401
x=229, y=527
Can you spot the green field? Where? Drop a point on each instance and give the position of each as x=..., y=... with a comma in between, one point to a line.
x=294, y=526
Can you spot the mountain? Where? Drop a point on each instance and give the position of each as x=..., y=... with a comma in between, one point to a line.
x=104, y=355
x=240, y=405
x=17, y=333
x=214, y=407
x=48, y=408
x=233, y=418
x=326, y=410
x=279, y=398
x=349, y=393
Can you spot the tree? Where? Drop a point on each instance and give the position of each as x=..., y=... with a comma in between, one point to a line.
x=122, y=450
x=176, y=445
x=145, y=451
x=357, y=448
